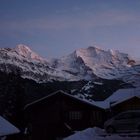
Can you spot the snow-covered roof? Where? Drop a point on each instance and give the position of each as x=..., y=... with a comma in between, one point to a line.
x=92, y=103
x=6, y=128
x=125, y=99
x=119, y=96
x=122, y=95
x=103, y=104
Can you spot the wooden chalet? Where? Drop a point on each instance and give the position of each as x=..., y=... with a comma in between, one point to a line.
x=130, y=103
x=59, y=115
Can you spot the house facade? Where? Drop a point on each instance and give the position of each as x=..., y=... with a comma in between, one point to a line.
x=59, y=115
x=131, y=103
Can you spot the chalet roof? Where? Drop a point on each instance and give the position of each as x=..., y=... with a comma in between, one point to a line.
x=92, y=103
x=123, y=100
x=6, y=128
x=123, y=93
x=119, y=96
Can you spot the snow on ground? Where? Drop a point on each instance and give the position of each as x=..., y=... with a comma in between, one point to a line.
x=98, y=134
x=6, y=128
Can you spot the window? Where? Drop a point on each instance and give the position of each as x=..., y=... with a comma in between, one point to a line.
x=75, y=115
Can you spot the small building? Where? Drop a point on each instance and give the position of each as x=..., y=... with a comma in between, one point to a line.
x=60, y=114
x=130, y=103
x=121, y=100
x=6, y=128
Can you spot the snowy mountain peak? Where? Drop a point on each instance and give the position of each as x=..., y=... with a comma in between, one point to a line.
x=91, y=51
x=107, y=64
x=22, y=49
x=94, y=48
x=112, y=52
x=83, y=64
x=26, y=52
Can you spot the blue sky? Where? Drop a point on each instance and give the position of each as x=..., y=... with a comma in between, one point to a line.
x=54, y=28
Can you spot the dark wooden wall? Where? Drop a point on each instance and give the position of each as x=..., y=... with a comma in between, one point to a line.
x=59, y=115
x=131, y=104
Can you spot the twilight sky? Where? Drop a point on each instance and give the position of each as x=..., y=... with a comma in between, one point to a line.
x=55, y=28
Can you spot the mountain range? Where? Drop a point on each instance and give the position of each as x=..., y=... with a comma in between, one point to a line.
x=90, y=63
x=92, y=74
